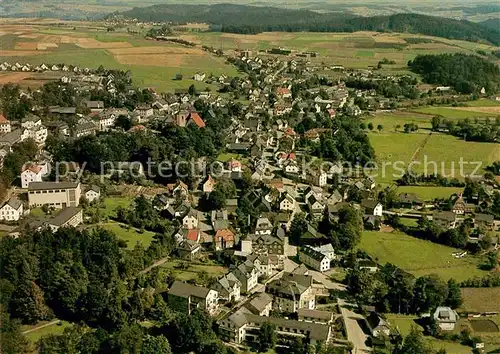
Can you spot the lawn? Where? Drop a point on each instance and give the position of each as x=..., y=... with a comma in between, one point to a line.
x=225, y=157
x=56, y=329
x=481, y=299
x=430, y=193
x=404, y=324
x=193, y=270
x=452, y=113
x=447, y=151
x=130, y=235
x=390, y=121
x=418, y=257
x=112, y=203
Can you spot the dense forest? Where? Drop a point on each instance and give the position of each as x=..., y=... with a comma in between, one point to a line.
x=465, y=73
x=253, y=19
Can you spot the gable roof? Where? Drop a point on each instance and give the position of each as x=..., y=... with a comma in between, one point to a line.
x=225, y=234
x=197, y=119
x=64, y=215
x=186, y=290
x=33, y=168
x=3, y=120
x=14, y=203
x=193, y=235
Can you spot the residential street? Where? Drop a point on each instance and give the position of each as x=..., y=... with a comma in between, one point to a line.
x=354, y=332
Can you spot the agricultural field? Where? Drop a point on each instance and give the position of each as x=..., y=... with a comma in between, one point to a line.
x=481, y=299
x=399, y=249
x=457, y=112
x=129, y=234
x=394, y=121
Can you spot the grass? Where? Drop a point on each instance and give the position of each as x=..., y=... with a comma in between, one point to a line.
x=430, y=193
x=452, y=113
x=481, y=299
x=409, y=222
x=193, y=270
x=55, y=329
x=225, y=157
x=404, y=324
x=390, y=120
x=486, y=102
x=131, y=235
x=419, y=257
x=112, y=203
x=37, y=212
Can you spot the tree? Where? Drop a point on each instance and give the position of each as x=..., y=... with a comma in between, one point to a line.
x=298, y=228
x=380, y=127
x=414, y=343
x=430, y=292
x=192, y=90
x=397, y=127
x=370, y=126
x=454, y=299
x=11, y=339
x=360, y=285
x=436, y=123
x=155, y=345
x=267, y=336
x=123, y=122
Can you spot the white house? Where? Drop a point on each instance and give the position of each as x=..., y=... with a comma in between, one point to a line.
x=446, y=318
x=287, y=202
x=190, y=221
x=199, y=77
x=31, y=173
x=5, y=126
x=12, y=210
x=92, y=193
x=314, y=259
x=372, y=207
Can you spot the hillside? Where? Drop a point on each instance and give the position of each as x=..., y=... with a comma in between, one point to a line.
x=254, y=19
x=492, y=23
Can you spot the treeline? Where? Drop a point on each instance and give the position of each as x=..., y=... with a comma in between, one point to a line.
x=484, y=130
x=405, y=86
x=465, y=73
x=257, y=19
x=415, y=179
x=391, y=289
x=89, y=278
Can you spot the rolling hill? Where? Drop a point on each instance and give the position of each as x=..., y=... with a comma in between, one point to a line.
x=256, y=19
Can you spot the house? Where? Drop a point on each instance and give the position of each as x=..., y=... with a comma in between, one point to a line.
x=409, y=200
x=229, y=288
x=377, y=325
x=445, y=219
x=292, y=292
x=92, y=193
x=199, y=77
x=372, y=207
x=31, y=121
x=12, y=210
x=184, y=297
x=314, y=259
x=188, y=249
x=4, y=125
x=84, y=129
x=460, y=207
x=263, y=226
x=315, y=316
x=223, y=239
x=234, y=165
x=243, y=326
x=209, y=185
x=284, y=92
x=191, y=219
x=485, y=222
x=95, y=106
x=287, y=202
x=55, y=194
x=368, y=264
x=31, y=173
x=67, y=217
x=143, y=112
x=260, y=305
x=315, y=203
x=265, y=244
x=246, y=273
x=446, y=318
x=317, y=178
x=327, y=250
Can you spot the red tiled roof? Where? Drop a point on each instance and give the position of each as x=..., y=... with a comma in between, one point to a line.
x=197, y=119
x=3, y=120
x=193, y=235
x=283, y=91
x=289, y=131
x=33, y=168
x=226, y=234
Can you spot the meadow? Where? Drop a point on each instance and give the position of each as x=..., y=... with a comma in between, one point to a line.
x=419, y=257
x=481, y=299
x=453, y=113
x=130, y=235
x=192, y=270
x=429, y=193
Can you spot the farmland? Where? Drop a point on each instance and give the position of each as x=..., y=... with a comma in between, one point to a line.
x=454, y=113
x=481, y=299
x=399, y=249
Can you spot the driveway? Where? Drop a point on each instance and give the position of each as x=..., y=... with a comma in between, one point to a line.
x=354, y=332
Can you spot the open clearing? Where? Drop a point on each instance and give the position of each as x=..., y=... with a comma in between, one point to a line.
x=454, y=112
x=419, y=257
x=129, y=234
x=36, y=334
x=481, y=299
x=112, y=203
x=429, y=193
x=193, y=270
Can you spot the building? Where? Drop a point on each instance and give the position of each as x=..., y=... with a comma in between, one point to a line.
x=209, y=185
x=263, y=226
x=5, y=126
x=260, y=305
x=191, y=219
x=372, y=207
x=327, y=250
x=224, y=238
x=67, y=217
x=31, y=173
x=446, y=318
x=199, y=76
x=55, y=194
x=95, y=106
x=229, y=288
x=243, y=326
x=184, y=297
x=445, y=219
x=247, y=274
x=264, y=244
x=292, y=292
x=11, y=210
x=287, y=202
x=188, y=249
x=314, y=259
x=460, y=207
x=92, y=193
x=377, y=325
x=315, y=316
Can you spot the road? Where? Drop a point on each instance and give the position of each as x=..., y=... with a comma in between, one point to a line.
x=354, y=332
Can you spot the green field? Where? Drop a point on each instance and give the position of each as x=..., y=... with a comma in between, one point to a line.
x=481, y=299
x=112, y=203
x=56, y=329
x=390, y=121
x=193, y=270
x=418, y=257
x=452, y=113
x=131, y=235
x=483, y=103
x=430, y=193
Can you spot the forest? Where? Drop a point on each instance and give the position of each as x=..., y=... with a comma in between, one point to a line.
x=465, y=73
x=254, y=19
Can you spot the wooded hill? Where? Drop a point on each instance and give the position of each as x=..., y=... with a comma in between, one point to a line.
x=256, y=19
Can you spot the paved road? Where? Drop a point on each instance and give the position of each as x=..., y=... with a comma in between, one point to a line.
x=354, y=332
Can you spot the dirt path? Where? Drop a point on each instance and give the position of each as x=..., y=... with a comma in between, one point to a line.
x=42, y=326
x=420, y=147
